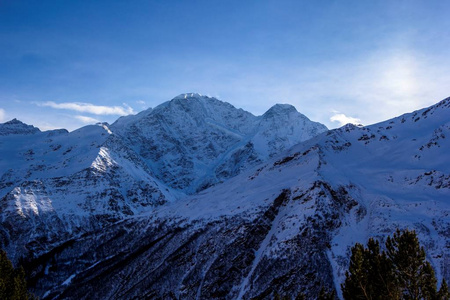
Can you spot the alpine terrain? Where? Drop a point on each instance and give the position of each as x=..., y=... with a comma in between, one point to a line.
x=196, y=199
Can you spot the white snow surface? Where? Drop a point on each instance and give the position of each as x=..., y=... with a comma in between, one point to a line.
x=396, y=174
x=398, y=171
x=138, y=163
x=195, y=141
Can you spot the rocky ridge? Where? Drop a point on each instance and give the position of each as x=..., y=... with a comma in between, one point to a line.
x=283, y=226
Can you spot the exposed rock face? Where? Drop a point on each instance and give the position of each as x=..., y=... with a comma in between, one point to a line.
x=283, y=226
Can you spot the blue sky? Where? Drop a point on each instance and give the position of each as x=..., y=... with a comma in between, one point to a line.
x=70, y=63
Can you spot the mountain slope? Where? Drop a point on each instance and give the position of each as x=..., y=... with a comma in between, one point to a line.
x=56, y=185
x=286, y=226
x=16, y=127
x=194, y=141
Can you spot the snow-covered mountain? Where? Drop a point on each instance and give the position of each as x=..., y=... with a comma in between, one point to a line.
x=194, y=141
x=284, y=223
x=16, y=127
x=58, y=185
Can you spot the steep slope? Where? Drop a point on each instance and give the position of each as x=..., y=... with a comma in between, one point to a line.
x=194, y=141
x=56, y=185
x=284, y=227
x=282, y=127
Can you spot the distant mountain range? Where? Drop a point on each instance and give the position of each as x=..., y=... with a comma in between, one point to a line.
x=196, y=199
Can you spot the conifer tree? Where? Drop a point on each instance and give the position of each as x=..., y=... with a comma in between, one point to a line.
x=413, y=274
x=356, y=282
x=12, y=281
x=400, y=272
x=444, y=293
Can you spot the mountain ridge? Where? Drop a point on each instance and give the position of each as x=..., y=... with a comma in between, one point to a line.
x=283, y=225
x=186, y=122
x=74, y=176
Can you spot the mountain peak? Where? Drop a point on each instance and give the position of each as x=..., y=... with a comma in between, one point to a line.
x=17, y=127
x=280, y=109
x=14, y=121
x=188, y=96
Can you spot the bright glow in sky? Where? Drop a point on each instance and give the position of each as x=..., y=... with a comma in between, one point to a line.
x=71, y=63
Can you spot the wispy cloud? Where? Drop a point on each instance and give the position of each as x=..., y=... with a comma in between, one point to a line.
x=90, y=108
x=343, y=119
x=142, y=104
x=2, y=115
x=87, y=120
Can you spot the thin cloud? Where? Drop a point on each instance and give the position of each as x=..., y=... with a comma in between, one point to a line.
x=87, y=120
x=343, y=119
x=90, y=108
x=142, y=104
x=2, y=115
